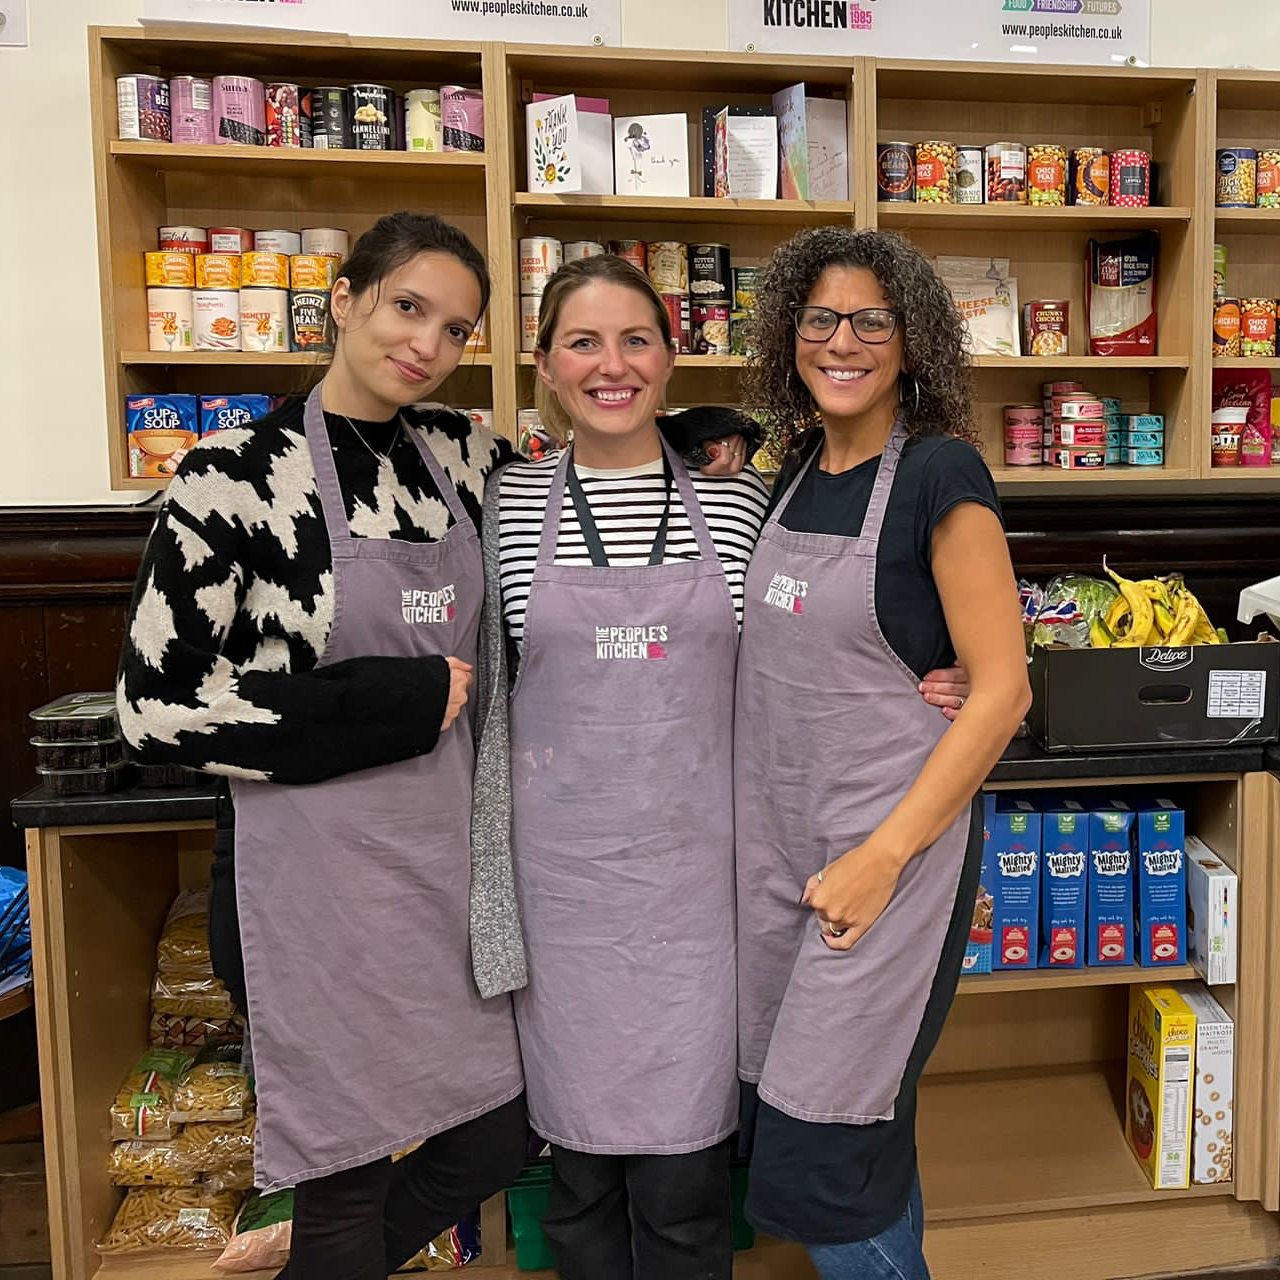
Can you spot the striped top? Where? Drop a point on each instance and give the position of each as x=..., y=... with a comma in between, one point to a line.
x=627, y=506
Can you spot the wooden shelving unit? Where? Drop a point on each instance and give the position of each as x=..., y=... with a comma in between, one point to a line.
x=15, y=1002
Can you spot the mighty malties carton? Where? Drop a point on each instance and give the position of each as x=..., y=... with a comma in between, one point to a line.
x=1162, y=881
x=1111, y=881
x=977, y=951
x=1014, y=853
x=1064, y=881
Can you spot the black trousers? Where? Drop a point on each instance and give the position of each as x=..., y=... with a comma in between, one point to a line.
x=641, y=1217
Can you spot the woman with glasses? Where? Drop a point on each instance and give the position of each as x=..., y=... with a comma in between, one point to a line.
x=858, y=825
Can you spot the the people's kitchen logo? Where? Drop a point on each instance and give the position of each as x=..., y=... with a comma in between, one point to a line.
x=786, y=593
x=428, y=607
x=630, y=644
x=825, y=15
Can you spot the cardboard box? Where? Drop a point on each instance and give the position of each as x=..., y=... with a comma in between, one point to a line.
x=1111, y=857
x=1158, y=1090
x=217, y=413
x=1064, y=882
x=1015, y=883
x=161, y=429
x=977, y=951
x=1200, y=695
x=1212, y=1140
x=1162, y=882
x=1212, y=914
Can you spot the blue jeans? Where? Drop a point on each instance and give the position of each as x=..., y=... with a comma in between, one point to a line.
x=895, y=1254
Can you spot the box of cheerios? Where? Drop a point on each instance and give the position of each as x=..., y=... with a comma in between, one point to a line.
x=1162, y=1051
x=1211, y=1143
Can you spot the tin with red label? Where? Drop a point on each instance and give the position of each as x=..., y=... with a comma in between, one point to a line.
x=936, y=172
x=677, y=305
x=709, y=328
x=631, y=251
x=1023, y=435
x=1045, y=327
x=896, y=172
x=1130, y=178
x=1257, y=326
x=1089, y=177
x=230, y=240
x=1046, y=174
x=191, y=109
x=1080, y=435
x=184, y=239
x=1068, y=458
x=1082, y=408
x=1268, y=179
x=142, y=107
x=284, y=115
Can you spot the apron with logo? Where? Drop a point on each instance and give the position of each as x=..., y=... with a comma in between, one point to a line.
x=831, y=732
x=622, y=780
x=368, y=1033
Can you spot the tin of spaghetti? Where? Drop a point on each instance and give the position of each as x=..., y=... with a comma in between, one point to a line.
x=1130, y=178
x=191, y=240
x=216, y=320
x=462, y=118
x=191, y=110
x=218, y=270
x=328, y=242
x=744, y=287
x=709, y=328
x=1237, y=186
x=309, y=328
x=264, y=320
x=896, y=172
x=576, y=250
x=239, y=110
x=312, y=271
x=264, y=269
x=172, y=270
x=970, y=171
x=540, y=257
x=169, y=316
x=1089, y=176
x=423, y=129
x=668, y=266
x=530, y=305
x=1257, y=326
x=1023, y=435
x=631, y=251
x=142, y=108
x=710, y=279
x=277, y=241
x=1226, y=327
x=1006, y=173
x=677, y=305
x=372, y=106
x=1069, y=458
x=284, y=115
x=330, y=118
x=1046, y=174
x=230, y=240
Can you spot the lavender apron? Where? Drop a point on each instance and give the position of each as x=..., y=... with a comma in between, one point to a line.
x=622, y=749
x=831, y=732
x=368, y=1033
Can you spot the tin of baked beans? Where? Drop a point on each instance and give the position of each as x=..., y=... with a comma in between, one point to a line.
x=1257, y=326
x=284, y=115
x=191, y=110
x=264, y=269
x=896, y=172
x=218, y=270
x=423, y=130
x=631, y=251
x=540, y=258
x=970, y=184
x=184, y=239
x=710, y=277
x=142, y=108
x=372, y=107
x=309, y=328
x=312, y=271
x=1237, y=178
x=264, y=320
x=1089, y=176
x=709, y=328
x=530, y=305
x=1130, y=178
x=936, y=172
x=330, y=118
x=1091, y=434
x=1219, y=271
x=1267, y=180
x=1006, y=173
x=1069, y=458
x=328, y=242
x=1226, y=327
x=217, y=320
x=574, y=250
x=277, y=241
x=745, y=282
x=230, y=240
x=173, y=270
x=668, y=266
x=169, y=316
x=1023, y=435
x=677, y=305
x=1045, y=328
x=1046, y=174
x=239, y=110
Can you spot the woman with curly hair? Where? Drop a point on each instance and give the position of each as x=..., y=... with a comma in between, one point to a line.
x=859, y=830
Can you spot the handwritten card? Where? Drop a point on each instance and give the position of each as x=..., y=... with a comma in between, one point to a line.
x=651, y=155
x=813, y=146
x=746, y=157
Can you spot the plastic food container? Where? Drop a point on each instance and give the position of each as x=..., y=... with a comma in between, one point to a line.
x=77, y=755
x=86, y=782
x=166, y=775
x=78, y=717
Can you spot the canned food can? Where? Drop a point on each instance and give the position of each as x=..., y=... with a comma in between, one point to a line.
x=1130, y=178
x=230, y=240
x=478, y=338
x=1237, y=186
x=1089, y=176
x=709, y=328
x=328, y=242
x=264, y=269
x=1006, y=173
x=142, y=108
x=330, y=118
x=191, y=240
x=677, y=305
x=309, y=328
x=312, y=271
x=264, y=320
x=575, y=250
x=1069, y=458
x=277, y=241
x=710, y=278
x=239, y=110
x=1062, y=388
x=540, y=258
x=1023, y=435
x=668, y=266
x=745, y=280
x=1092, y=434
x=739, y=333
x=530, y=305
x=1226, y=327
x=462, y=118
x=423, y=130
x=896, y=172
x=631, y=251
x=1046, y=174
x=169, y=319
x=165, y=269
x=284, y=115
x=1219, y=271
x=306, y=109
x=1150, y=457
x=1267, y=180
x=1257, y=326
x=1045, y=328
x=372, y=106
x=936, y=164
x=1081, y=408
x=217, y=320
x=970, y=186
x=218, y=270
x=191, y=110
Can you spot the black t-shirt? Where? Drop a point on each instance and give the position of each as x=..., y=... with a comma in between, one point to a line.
x=934, y=475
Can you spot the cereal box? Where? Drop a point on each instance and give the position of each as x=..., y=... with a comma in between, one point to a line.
x=1162, y=882
x=1110, y=915
x=1211, y=914
x=1064, y=860
x=217, y=413
x=1014, y=852
x=1212, y=1104
x=1162, y=1047
x=977, y=951
x=161, y=429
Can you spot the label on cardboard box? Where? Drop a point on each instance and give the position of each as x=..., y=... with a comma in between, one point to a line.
x=1212, y=1139
x=1064, y=860
x=1162, y=1046
x=218, y=413
x=977, y=951
x=1162, y=883
x=1110, y=876
x=161, y=429
x=1211, y=914
x=1015, y=883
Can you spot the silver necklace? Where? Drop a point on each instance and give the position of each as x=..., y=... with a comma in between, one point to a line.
x=395, y=440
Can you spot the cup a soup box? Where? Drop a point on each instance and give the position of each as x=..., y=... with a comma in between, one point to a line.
x=1158, y=1090
x=1111, y=876
x=977, y=951
x=1212, y=1140
x=1064, y=882
x=1212, y=914
x=217, y=413
x=1162, y=881
x=161, y=429
x=1014, y=855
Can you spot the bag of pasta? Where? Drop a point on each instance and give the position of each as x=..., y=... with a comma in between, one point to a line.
x=220, y=1147
x=264, y=1232
x=136, y=1163
x=214, y=1087
x=161, y=1218
x=144, y=1102
x=172, y=1031
x=190, y=993
x=184, y=940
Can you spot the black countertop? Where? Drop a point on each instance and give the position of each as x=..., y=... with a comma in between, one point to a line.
x=1024, y=761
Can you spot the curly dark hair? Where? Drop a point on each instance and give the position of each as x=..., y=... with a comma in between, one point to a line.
x=933, y=331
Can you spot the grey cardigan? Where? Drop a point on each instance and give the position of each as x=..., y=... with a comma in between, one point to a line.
x=497, y=941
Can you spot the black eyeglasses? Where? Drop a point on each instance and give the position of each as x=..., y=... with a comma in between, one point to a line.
x=871, y=324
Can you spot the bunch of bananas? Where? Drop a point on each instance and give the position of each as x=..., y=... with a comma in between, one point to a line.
x=1154, y=611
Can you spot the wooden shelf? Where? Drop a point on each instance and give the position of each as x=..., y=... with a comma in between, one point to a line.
x=15, y=1002
x=297, y=162
x=1021, y=217
x=682, y=209
x=256, y=360
x=1246, y=362
x=1247, y=221
x=1081, y=362
x=1060, y=979
x=1133, y=476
